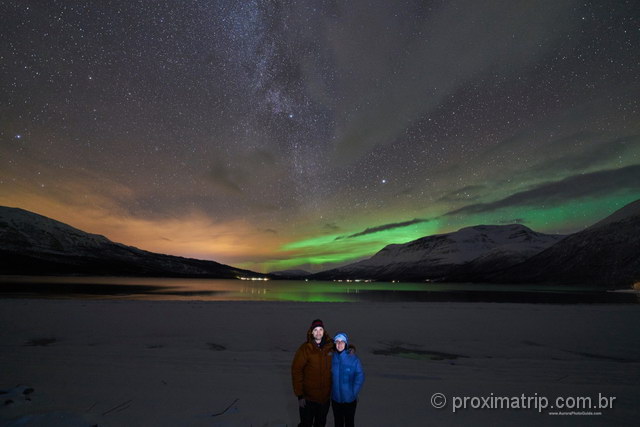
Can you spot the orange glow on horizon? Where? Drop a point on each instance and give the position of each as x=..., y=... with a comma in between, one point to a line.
x=193, y=235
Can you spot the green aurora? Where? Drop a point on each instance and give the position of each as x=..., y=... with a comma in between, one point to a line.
x=328, y=250
x=312, y=134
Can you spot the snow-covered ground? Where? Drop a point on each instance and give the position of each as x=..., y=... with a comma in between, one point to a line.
x=144, y=363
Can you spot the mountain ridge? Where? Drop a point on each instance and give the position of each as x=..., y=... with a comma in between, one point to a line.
x=606, y=254
x=434, y=257
x=31, y=243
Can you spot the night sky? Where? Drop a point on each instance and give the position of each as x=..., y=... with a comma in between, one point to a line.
x=304, y=134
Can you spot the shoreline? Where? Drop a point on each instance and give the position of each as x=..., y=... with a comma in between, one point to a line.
x=160, y=289
x=179, y=362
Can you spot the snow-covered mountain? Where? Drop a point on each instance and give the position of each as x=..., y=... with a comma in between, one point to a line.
x=480, y=248
x=34, y=244
x=625, y=213
x=605, y=254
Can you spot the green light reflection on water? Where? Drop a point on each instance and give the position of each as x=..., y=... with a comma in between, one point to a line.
x=173, y=289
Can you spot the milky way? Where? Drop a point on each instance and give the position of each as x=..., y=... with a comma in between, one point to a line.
x=285, y=134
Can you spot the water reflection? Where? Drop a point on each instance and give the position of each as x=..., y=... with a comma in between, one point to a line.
x=280, y=290
x=254, y=291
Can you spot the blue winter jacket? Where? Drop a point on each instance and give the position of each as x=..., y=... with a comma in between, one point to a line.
x=347, y=376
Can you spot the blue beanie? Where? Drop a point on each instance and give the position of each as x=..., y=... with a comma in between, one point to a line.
x=341, y=336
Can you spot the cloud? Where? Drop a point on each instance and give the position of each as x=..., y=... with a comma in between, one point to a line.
x=384, y=227
x=513, y=221
x=385, y=88
x=467, y=193
x=331, y=227
x=558, y=192
x=567, y=140
x=246, y=172
x=600, y=152
x=222, y=177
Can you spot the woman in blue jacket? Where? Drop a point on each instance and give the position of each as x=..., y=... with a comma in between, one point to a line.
x=347, y=379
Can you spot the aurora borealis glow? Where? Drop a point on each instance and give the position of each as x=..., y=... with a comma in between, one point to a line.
x=273, y=135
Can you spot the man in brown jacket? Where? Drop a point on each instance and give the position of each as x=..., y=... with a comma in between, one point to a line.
x=311, y=376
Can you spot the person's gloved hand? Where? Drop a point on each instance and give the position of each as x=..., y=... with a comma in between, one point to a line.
x=302, y=402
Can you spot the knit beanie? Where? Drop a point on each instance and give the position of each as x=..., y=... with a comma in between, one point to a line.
x=341, y=336
x=317, y=323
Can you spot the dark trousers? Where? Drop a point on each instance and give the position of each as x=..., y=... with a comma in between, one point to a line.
x=344, y=413
x=314, y=414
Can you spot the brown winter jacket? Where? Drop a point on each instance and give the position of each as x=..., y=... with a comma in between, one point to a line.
x=311, y=369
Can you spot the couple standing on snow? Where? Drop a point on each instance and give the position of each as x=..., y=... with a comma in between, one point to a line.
x=326, y=372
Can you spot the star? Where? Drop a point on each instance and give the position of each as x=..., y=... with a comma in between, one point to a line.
x=247, y=113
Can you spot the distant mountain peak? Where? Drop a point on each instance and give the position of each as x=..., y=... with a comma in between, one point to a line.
x=34, y=244
x=437, y=255
x=628, y=211
x=605, y=254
